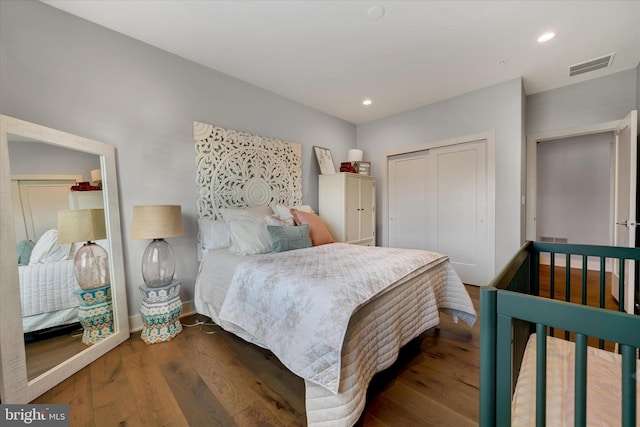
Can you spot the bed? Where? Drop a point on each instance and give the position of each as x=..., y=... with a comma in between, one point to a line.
x=557, y=361
x=46, y=293
x=335, y=314
x=47, y=283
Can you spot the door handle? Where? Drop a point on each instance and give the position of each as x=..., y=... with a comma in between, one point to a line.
x=627, y=223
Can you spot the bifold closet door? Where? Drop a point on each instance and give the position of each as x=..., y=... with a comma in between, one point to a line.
x=438, y=201
x=408, y=201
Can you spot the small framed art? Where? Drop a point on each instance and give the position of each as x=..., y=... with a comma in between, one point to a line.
x=363, y=167
x=325, y=161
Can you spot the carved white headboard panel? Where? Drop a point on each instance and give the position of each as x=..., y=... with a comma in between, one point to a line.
x=237, y=169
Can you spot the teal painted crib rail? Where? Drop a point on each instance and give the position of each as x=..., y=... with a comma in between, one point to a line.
x=510, y=310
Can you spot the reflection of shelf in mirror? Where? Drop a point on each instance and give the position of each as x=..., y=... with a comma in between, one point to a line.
x=86, y=200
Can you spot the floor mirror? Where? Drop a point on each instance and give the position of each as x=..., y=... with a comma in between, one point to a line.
x=47, y=333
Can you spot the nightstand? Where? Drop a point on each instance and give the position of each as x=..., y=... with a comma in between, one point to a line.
x=160, y=311
x=95, y=313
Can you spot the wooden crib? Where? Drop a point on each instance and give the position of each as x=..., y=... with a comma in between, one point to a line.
x=511, y=310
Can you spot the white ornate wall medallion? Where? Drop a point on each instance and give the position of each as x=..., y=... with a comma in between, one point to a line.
x=237, y=169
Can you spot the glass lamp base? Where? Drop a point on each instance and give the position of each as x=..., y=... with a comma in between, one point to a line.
x=91, y=266
x=158, y=264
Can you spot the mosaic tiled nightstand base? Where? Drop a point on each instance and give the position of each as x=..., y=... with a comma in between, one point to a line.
x=95, y=313
x=160, y=311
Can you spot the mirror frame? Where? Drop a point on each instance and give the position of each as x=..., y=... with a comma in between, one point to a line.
x=14, y=385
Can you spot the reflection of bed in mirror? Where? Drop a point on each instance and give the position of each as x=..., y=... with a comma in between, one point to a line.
x=39, y=190
x=39, y=166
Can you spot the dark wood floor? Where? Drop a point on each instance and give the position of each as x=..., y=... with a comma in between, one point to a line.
x=220, y=380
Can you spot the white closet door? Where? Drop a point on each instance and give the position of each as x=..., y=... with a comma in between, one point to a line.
x=458, y=175
x=408, y=201
x=438, y=201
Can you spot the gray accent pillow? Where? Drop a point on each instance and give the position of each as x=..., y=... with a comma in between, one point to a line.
x=288, y=237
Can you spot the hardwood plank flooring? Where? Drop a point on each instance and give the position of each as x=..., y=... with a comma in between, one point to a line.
x=220, y=380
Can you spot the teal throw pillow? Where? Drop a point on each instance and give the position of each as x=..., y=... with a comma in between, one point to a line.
x=288, y=237
x=24, y=252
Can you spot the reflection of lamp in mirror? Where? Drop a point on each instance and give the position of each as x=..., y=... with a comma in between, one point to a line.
x=96, y=177
x=157, y=223
x=91, y=262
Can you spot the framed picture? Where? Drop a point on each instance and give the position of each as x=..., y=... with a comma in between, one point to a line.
x=363, y=168
x=325, y=161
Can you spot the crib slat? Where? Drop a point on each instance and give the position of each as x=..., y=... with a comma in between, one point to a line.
x=541, y=375
x=580, y=404
x=552, y=282
x=584, y=279
x=621, y=285
x=628, y=385
x=602, y=282
x=567, y=281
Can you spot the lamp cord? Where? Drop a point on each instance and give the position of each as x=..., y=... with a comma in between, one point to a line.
x=202, y=324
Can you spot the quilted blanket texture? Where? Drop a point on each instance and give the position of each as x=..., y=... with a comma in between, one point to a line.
x=299, y=303
x=47, y=287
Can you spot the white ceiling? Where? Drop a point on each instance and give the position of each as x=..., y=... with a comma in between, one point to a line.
x=330, y=55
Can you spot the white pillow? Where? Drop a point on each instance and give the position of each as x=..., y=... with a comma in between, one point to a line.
x=47, y=249
x=246, y=214
x=213, y=234
x=274, y=220
x=249, y=237
x=284, y=212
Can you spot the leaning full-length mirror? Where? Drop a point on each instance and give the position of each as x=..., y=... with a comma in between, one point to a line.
x=62, y=295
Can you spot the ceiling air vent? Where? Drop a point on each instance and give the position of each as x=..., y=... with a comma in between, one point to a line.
x=591, y=65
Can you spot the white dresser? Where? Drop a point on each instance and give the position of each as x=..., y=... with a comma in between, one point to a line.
x=348, y=207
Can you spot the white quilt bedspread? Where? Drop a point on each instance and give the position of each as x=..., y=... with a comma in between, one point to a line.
x=299, y=303
x=47, y=287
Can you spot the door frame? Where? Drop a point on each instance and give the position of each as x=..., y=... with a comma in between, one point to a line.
x=490, y=138
x=532, y=164
x=22, y=230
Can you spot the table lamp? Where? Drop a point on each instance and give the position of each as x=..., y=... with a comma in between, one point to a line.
x=91, y=262
x=157, y=223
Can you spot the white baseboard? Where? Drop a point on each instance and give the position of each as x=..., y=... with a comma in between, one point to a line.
x=135, y=321
x=576, y=262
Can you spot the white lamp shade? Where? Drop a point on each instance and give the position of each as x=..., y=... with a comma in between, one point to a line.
x=82, y=225
x=354, y=155
x=157, y=222
x=96, y=176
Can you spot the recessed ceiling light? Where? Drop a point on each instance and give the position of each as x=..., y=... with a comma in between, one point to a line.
x=367, y=102
x=546, y=37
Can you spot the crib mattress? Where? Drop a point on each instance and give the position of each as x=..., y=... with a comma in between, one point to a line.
x=604, y=405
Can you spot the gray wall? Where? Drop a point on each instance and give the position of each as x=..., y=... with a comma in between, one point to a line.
x=574, y=203
x=69, y=74
x=582, y=104
x=34, y=158
x=494, y=109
